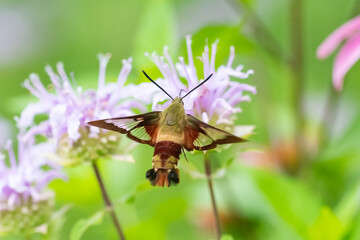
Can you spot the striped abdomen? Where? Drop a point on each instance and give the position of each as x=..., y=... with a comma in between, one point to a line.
x=165, y=158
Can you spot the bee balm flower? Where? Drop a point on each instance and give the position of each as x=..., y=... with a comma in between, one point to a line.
x=214, y=102
x=70, y=108
x=349, y=53
x=25, y=201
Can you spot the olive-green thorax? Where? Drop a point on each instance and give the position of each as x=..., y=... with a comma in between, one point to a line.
x=172, y=123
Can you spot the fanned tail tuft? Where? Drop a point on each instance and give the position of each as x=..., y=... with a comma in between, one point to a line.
x=162, y=177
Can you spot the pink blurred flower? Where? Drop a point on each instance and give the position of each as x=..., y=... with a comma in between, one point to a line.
x=349, y=53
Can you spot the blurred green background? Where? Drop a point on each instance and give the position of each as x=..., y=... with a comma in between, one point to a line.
x=272, y=189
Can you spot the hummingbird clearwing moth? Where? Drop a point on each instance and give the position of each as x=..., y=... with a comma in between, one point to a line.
x=169, y=132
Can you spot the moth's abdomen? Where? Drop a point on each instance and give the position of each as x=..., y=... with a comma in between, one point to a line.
x=165, y=158
x=166, y=155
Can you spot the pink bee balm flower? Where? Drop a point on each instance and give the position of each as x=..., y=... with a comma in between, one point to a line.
x=216, y=101
x=25, y=200
x=349, y=53
x=69, y=108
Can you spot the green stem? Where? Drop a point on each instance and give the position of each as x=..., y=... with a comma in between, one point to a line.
x=333, y=101
x=329, y=116
x=213, y=201
x=264, y=36
x=356, y=8
x=107, y=201
x=270, y=44
x=297, y=67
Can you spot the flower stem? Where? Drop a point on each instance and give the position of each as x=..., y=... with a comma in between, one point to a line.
x=297, y=66
x=356, y=7
x=329, y=117
x=264, y=36
x=107, y=201
x=332, y=102
x=213, y=201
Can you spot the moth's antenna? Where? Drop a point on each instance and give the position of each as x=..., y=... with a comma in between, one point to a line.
x=181, y=90
x=156, y=84
x=198, y=85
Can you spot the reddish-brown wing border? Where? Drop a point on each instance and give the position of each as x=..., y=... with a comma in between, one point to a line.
x=126, y=125
x=194, y=128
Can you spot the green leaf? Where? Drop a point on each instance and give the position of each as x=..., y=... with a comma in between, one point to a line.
x=191, y=170
x=56, y=223
x=333, y=174
x=156, y=30
x=327, y=226
x=82, y=225
x=227, y=237
x=217, y=172
x=294, y=203
x=355, y=232
x=348, y=207
x=130, y=198
x=247, y=3
x=347, y=143
x=5, y=231
x=227, y=35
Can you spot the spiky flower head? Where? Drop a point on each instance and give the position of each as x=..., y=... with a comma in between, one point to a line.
x=69, y=108
x=216, y=101
x=25, y=200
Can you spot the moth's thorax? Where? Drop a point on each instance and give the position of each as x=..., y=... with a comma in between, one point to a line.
x=175, y=113
x=172, y=123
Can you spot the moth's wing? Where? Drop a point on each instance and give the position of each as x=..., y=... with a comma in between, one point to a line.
x=141, y=128
x=202, y=136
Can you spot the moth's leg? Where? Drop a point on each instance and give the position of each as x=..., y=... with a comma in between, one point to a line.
x=183, y=151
